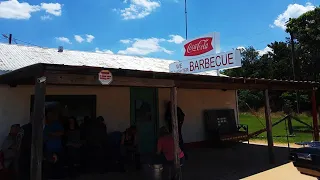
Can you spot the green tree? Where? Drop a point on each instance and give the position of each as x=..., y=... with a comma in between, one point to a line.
x=305, y=29
x=249, y=57
x=279, y=61
x=273, y=65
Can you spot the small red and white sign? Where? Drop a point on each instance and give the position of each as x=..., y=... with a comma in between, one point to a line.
x=202, y=46
x=105, y=77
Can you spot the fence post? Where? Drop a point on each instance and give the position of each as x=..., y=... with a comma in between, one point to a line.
x=315, y=116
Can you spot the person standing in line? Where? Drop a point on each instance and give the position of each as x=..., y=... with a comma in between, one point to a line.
x=180, y=116
x=24, y=159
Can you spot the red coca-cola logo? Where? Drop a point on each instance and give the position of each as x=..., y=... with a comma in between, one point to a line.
x=198, y=46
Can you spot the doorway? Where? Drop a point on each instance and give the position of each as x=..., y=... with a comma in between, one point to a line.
x=144, y=115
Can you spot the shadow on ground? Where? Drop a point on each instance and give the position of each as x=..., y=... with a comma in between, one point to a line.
x=237, y=162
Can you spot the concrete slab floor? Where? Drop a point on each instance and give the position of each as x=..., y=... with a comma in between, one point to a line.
x=241, y=161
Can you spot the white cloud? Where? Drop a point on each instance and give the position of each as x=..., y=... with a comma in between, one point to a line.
x=265, y=51
x=241, y=48
x=78, y=38
x=52, y=8
x=145, y=47
x=63, y=39
x=139, y=9
x=176, y=39
x=167, y=51
x=45, y=17
x=106, y=51
x=293, y=11
x=89, y=38
x=125, y=41
x=271, y=26
x=13, y=9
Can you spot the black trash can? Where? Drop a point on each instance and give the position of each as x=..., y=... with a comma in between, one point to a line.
x=307, y=160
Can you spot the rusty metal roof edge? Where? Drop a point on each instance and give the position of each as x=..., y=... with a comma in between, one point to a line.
x=243, y=79
x=202, y=75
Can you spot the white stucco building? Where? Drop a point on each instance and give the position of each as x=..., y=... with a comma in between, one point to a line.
x=112, y=102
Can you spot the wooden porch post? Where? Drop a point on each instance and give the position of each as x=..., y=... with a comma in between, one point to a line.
x=37, y=129
x=175, y=132
x=269, y=127
x=315, y=116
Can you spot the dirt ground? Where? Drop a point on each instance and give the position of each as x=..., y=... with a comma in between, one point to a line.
x=264, y=143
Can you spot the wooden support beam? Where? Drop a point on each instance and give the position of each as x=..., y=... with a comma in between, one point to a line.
x=92, y=80
x=269, y=127
x=37, y=129
x=315, y=116
x=175, y=132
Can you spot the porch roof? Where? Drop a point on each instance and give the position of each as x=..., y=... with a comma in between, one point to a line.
x=86, y=75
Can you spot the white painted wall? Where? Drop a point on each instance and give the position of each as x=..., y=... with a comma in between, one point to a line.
x=193, y=102
x=113, y=103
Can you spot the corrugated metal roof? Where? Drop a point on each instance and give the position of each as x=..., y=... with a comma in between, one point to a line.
x=13, y=57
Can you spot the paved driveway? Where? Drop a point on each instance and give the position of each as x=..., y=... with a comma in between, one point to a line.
x=286, y=172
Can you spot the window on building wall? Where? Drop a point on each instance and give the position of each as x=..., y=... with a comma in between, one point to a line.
x=77, y=106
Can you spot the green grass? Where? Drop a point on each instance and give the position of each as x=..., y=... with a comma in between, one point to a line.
x=279, y=130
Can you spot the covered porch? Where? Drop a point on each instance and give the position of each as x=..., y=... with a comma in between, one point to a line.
x=42, y=75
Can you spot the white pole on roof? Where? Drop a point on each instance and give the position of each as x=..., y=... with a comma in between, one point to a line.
x=186, y=17
x=217, y=40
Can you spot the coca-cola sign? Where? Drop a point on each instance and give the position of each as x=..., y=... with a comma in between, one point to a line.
x=198, y=46
x=203, y=54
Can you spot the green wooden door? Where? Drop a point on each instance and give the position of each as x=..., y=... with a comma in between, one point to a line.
x=144, y=114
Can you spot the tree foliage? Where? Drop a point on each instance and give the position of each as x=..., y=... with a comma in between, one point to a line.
x=278, y=64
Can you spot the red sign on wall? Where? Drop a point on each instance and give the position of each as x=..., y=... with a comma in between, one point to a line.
x=105, y=77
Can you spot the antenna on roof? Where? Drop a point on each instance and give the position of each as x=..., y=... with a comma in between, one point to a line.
x=10, y=38
x=60, y=49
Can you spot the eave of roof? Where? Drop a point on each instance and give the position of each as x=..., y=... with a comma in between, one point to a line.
x=183, y=80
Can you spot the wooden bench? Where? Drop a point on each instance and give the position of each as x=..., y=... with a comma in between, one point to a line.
x=239, y=134
x=221, y=126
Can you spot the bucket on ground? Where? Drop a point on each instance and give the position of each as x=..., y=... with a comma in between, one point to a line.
x=152, y=171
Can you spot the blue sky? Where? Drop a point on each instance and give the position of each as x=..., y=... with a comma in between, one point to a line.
x=153, y=28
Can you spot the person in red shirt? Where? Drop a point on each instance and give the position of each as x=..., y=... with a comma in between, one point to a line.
x=166, y=146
